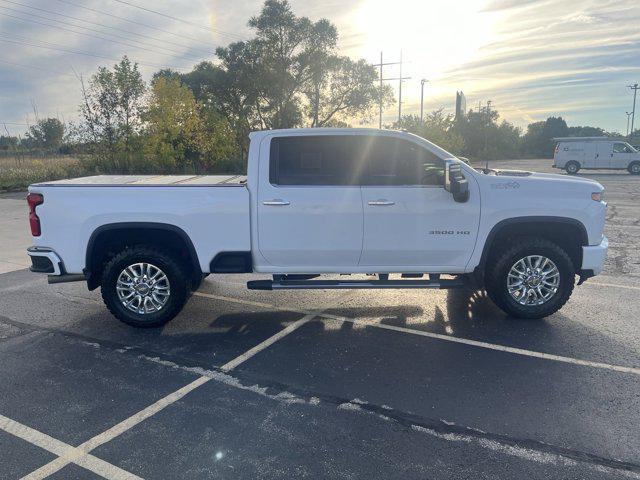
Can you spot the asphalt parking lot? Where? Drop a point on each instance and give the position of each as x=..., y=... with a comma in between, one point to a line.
x=334, y=384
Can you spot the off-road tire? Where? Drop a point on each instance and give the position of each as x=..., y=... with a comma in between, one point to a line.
x=515, y=249
x=634, y=168
x=168, y=263
x=572, y=167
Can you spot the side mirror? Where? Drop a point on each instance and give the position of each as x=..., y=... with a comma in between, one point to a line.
x=455, y=183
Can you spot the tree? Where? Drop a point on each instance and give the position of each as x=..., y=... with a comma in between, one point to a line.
x=343, y=88
x=171, y=118
x=47, y=133
x=486, y=138
x=587, y=131
x=289, y=74
x=181, y=134
x=111, y=110
x=437, y=127
x=538, y=141
x=230, y=89
x=8, y=142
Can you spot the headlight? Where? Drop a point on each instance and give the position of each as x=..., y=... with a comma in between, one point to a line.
x=597, y=196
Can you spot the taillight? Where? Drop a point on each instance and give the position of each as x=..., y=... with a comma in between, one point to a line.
x=34, y=199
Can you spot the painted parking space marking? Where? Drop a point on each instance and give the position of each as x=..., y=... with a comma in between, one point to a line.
x=80, y=455
x=447, y=338
x=613, y=285
x=63, y=450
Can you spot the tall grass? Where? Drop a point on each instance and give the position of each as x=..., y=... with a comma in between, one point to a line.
x=18, y=172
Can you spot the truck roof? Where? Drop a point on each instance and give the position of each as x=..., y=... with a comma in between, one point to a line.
x=151, y=181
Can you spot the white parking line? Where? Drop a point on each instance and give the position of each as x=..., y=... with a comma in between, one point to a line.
x=614, y=285
x=62, y=449
x=227, y=367
x=447, y=338
x=80, y=455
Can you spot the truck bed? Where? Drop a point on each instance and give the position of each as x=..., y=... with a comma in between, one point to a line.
x=214, y=218
x=150, y=180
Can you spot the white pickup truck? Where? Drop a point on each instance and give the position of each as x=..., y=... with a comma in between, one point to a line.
x=323, y=201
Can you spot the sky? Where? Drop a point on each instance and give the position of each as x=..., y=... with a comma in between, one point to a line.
x=531, y=58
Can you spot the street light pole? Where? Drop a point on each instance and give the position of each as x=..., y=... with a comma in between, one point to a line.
x=422, y=82
x=628, y=118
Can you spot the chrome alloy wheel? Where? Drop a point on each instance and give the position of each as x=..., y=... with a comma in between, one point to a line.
x=533, y=280
x=143, y=288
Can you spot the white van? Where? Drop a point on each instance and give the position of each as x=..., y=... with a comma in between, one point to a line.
x=574, y=153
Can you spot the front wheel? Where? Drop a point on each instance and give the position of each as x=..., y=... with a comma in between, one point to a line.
x=532, y=278
x=634, y=168
x=144, y=286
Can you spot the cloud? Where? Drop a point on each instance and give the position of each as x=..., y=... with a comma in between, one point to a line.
x=530, y=57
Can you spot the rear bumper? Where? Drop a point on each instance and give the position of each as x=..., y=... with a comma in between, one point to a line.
x=45, y=260
x=593, y=257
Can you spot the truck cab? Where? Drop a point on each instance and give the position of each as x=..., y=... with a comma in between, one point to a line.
x=575, y=153
x=357, y=202
x=384, y=205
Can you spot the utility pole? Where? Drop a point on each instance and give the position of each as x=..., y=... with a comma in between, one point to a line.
x=635, y=88
x=400, y=91
x=486, y=133
x=422, y=82
x=382, y=79
x=628, y=118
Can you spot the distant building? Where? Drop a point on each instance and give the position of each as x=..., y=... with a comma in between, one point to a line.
x=461, y=105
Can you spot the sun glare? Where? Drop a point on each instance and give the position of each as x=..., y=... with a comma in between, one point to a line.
x=434, y=35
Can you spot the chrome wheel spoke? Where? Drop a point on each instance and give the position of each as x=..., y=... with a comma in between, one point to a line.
x=143, y=288
x=533, y=280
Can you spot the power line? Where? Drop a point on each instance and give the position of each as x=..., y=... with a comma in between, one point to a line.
x=33, y=67
x=107, y=26
x=91, y=35
x=400, y=79
x=381, y=65
x=102, y=12
x=57, y=47
x=208, y=29
x=90, y=30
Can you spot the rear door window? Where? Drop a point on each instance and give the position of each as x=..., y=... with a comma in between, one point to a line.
x=313, y=160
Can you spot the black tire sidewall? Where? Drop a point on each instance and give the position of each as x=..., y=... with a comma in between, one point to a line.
x=162, y=260
x=572, y=164
x=497, y=281
x=631, y=166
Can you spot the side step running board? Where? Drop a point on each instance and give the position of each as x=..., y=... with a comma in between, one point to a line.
x=351, y=284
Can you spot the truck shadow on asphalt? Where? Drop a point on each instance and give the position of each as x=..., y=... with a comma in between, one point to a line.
x=208, y=332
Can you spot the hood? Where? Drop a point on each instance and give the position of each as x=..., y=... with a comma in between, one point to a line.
x=513, y=177
x=548, y=177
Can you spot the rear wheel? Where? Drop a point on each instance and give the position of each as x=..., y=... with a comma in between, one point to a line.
x=634, y=168
x=572, y=167
x=531, y=279
x=144, y=286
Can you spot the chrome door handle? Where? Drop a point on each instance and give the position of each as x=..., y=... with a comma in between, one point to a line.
x=381, y=203
x=276, y=201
